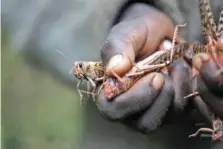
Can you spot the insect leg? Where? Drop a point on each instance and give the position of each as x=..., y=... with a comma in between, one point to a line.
x=134, y=64
x=191, y=95
x=201, y=130
x=79, y=91
x=117, y=76
x=94, y=87
x=99, y=79
x=135, y=74
x=103, y=83
x=83, y=91
x=213, y=51
x=148, y=68
x=100, y=88
x=88, y=88
x=153, y=67
x=174, y=39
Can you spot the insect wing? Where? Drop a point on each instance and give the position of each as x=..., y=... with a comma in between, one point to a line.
x=220, y=24
x=207, y=20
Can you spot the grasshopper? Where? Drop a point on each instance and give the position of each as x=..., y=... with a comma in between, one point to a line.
x=91, y=71
x=94, y=71
x=213, y=35
x=155, y=62
x=217, y=130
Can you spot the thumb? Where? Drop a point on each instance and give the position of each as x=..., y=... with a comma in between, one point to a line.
x=135, y=38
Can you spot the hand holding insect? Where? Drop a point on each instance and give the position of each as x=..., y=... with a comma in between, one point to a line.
x=133, y=40
x=209, y=83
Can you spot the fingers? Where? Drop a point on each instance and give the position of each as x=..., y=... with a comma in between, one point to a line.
x=181, y=79
x=153, y=116
x=203, y=109
x=208, y=71
x=199, y=59
x=215, y=101
x=213, y=82
x=199, y=104
x=135, y=37
x=208, y=84
x=136, y=99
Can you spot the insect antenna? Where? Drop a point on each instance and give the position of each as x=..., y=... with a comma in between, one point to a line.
x=220, y=23
x=67, y=58
x=61, y=53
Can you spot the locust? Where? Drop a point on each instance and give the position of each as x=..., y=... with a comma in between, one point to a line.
x=216, y=130
x=91, y=71
x=213, y=35
x=159, y=60
x=94, y=73
x=154, y=63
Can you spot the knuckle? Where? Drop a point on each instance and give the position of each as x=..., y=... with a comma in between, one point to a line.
x=168, y=87
x=112, y=113
x=110, y=110
x=108, y=49
x=147, y=127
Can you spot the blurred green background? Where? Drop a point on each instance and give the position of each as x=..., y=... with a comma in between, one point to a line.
x=38, y=112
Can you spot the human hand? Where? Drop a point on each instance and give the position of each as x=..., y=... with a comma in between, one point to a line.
x=137, y=36
x=209, y=85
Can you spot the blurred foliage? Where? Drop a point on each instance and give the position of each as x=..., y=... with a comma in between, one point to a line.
x=38, y=112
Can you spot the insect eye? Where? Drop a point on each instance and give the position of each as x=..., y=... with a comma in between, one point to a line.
x=80, y=65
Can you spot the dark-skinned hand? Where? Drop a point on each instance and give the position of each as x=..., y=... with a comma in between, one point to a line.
x=209, y=84
x=140, y=33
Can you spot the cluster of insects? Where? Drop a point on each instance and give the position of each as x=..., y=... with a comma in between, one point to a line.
x=113, y=85
x=214, y=36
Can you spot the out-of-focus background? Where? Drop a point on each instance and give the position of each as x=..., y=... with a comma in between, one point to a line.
x=38, y=112
x=40, y=104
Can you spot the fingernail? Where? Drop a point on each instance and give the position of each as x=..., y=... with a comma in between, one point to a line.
x=158, y=81
x=199, y=60
x=115, y=60
x=119, y=64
